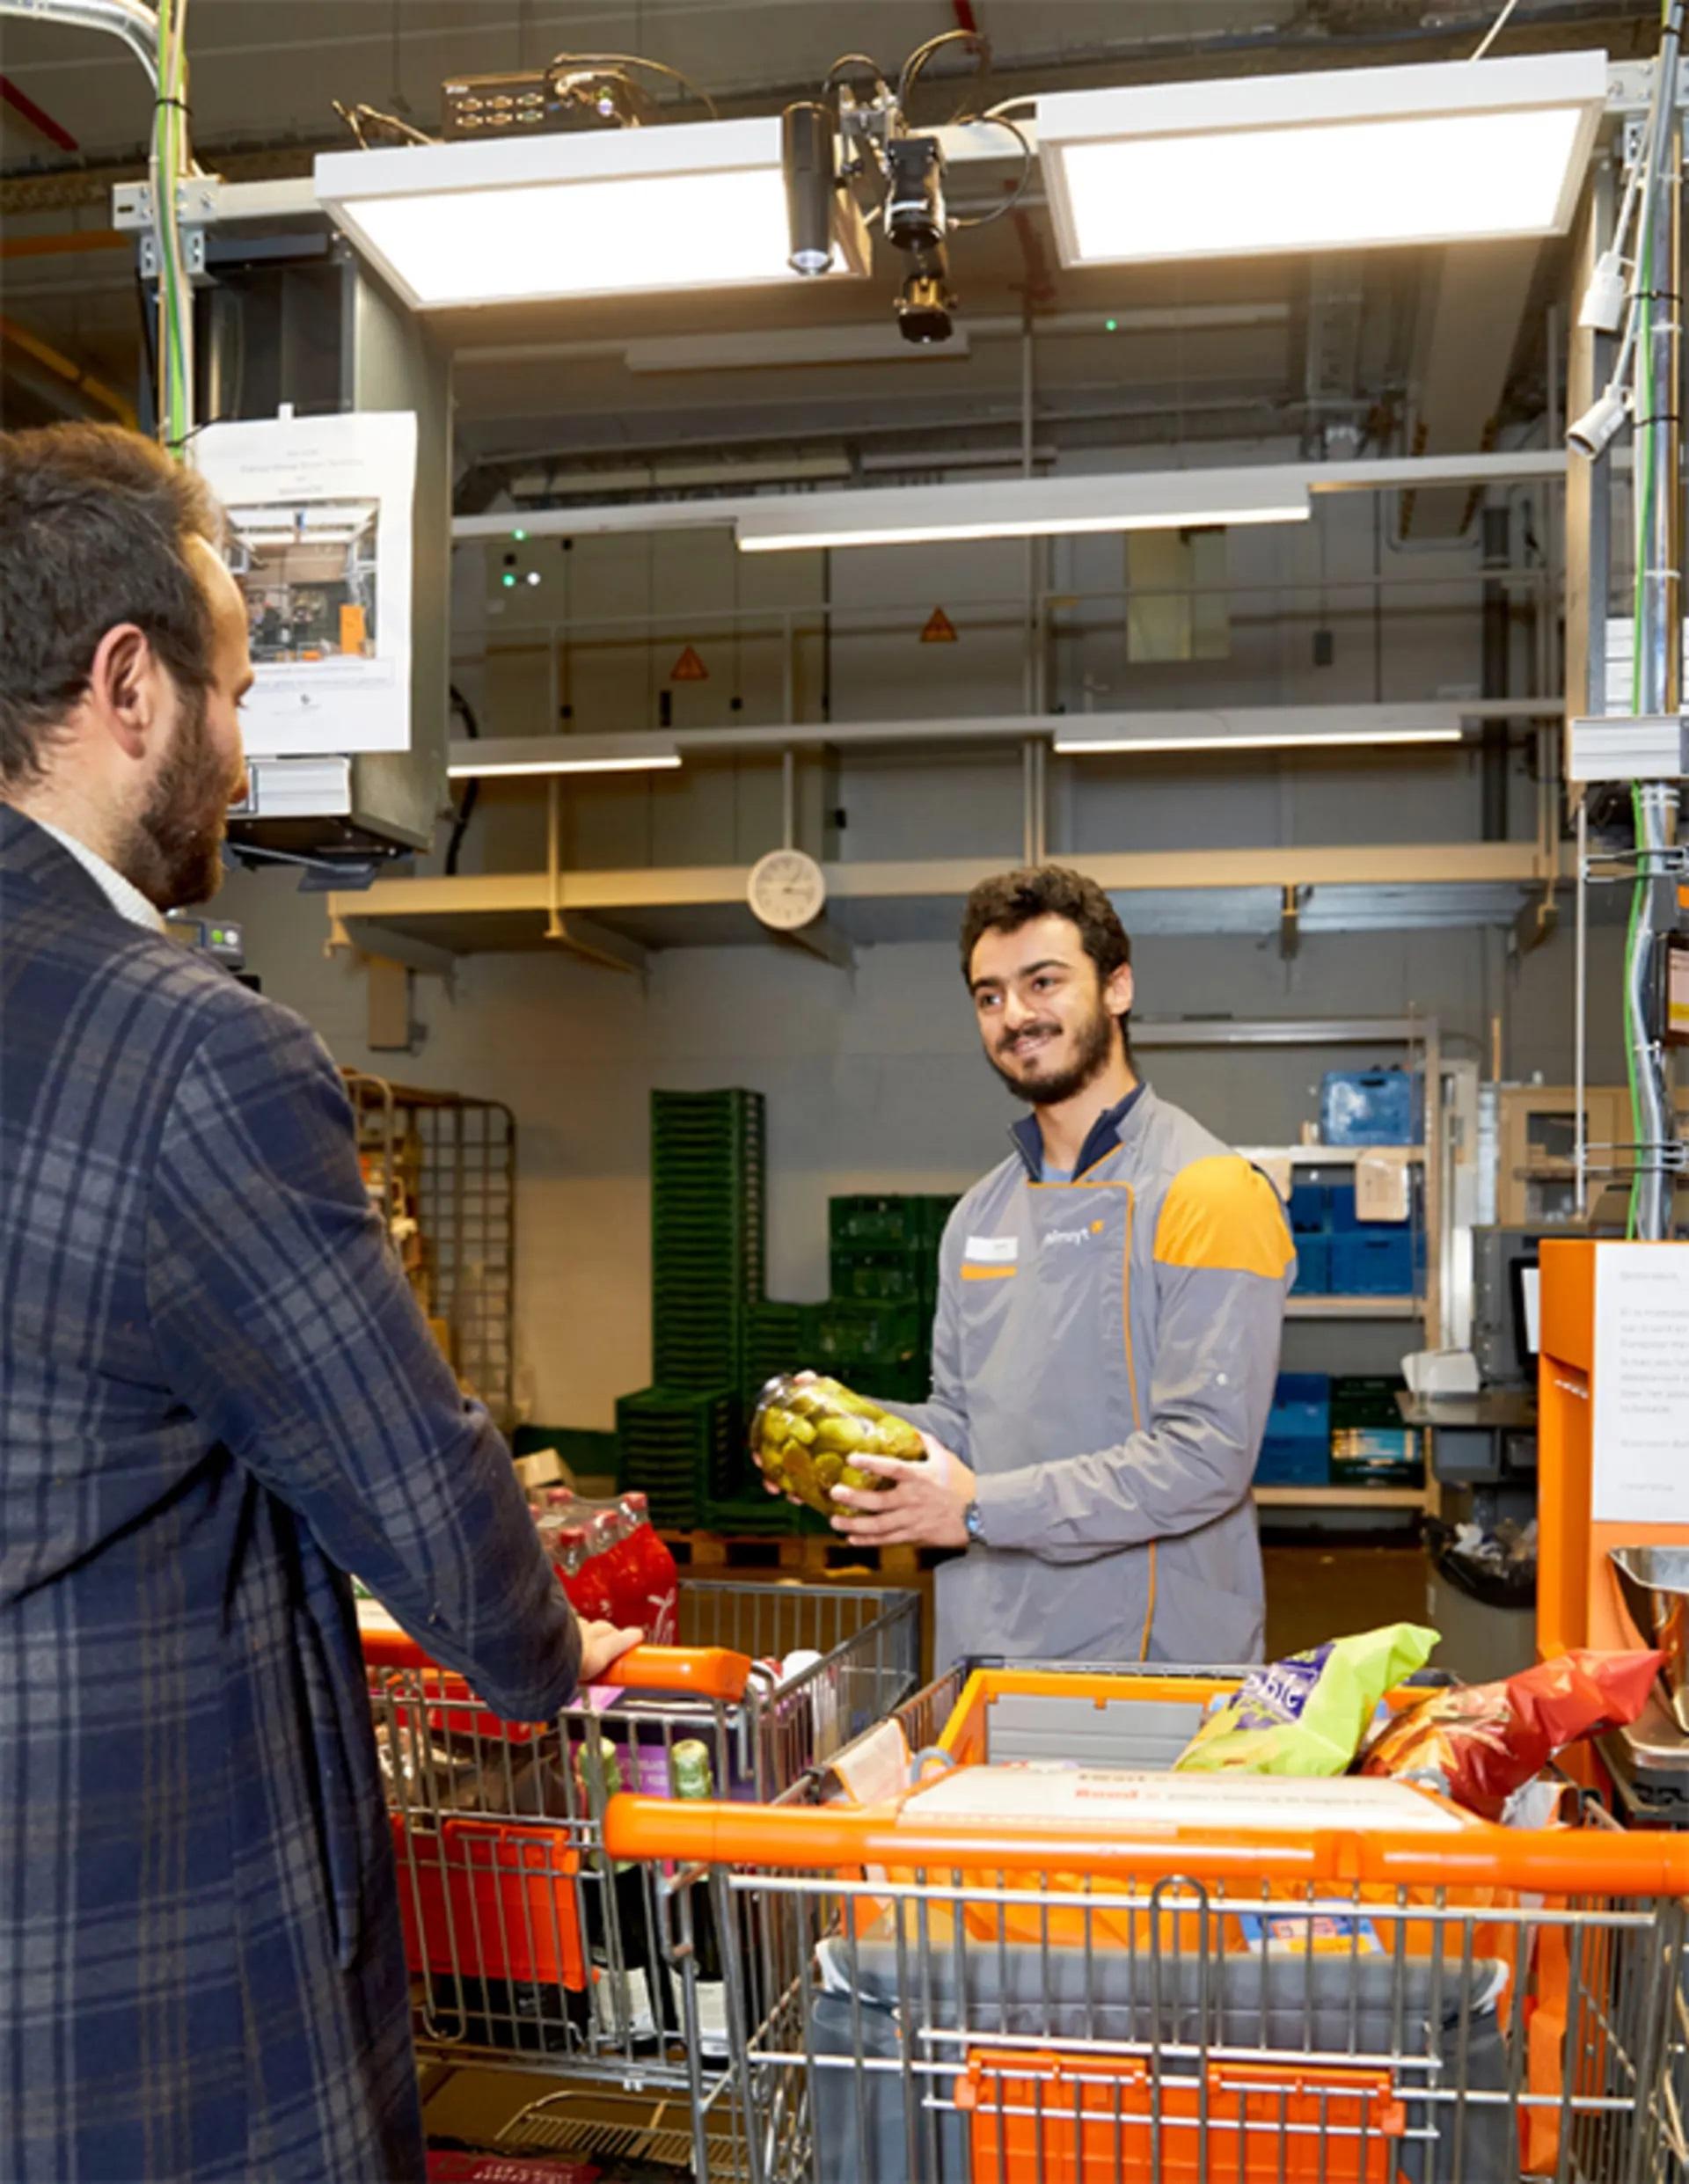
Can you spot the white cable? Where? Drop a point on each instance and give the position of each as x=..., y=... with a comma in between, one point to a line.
x=135, y=24
x=1495, y=29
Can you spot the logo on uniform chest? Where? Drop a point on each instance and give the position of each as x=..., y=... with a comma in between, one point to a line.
x=1054, y=1239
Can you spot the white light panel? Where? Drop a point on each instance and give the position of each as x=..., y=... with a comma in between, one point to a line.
x=1031, y=508
x=490, y=757
x=1443, y=152
x=1259, y=728
x=612, y=213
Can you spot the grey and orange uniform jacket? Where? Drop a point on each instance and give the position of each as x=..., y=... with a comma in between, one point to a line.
x=1103, y=1359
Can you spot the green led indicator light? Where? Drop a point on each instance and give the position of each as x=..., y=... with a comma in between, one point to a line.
x=518, y=536
x=1111, y=326
x=508, y=580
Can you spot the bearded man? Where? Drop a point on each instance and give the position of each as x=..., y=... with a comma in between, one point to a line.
x=1110, y=1303
x=217, y=1397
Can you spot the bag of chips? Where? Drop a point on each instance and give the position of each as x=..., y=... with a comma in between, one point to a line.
x=1308, y=1715
x=1479, y=1745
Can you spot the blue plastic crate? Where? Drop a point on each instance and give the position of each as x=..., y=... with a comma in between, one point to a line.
x=1311, y=1208
x=1301, y=1406
x=1373, y=1262
x=1369, y=1107
x=1294, y=1460
x=1312, y=1265
x=1347, y=1221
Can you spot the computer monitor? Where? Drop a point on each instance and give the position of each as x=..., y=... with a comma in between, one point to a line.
x=1506, y=1316
x=1527, y=1308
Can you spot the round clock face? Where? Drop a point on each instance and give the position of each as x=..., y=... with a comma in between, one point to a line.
x=788, y=890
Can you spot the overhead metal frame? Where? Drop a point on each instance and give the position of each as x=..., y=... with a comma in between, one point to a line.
x=1645, y=745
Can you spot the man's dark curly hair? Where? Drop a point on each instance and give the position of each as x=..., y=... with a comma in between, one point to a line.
x=1013, y=898
x=94, y=529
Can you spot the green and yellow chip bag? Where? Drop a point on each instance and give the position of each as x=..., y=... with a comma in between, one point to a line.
x=1308, y=1715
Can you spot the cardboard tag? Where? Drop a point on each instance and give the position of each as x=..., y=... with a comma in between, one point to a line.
x=1381, y=1186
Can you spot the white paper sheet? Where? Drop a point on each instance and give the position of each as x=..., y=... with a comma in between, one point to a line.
x=319, y=514
x=1640, y=1467
x=1123, y=1801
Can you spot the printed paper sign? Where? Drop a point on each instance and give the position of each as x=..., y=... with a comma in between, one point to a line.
x=319, y=542
x=1640, y=1421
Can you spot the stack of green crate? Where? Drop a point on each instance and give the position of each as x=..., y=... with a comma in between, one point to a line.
x=681, y=1440
x=708, y=1224
x=778, y=1338
x=876, y=1331
x=680, y=1447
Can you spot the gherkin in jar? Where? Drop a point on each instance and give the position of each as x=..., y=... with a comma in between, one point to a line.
x=805, y=1431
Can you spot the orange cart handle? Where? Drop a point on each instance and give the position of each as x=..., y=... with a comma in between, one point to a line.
x=697, y=1671
x=826, y=1838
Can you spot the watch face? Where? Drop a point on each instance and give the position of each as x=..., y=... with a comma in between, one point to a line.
x=787, y=889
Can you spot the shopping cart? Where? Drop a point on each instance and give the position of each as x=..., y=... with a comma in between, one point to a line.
x=1075, y=1974
x=524, y=1940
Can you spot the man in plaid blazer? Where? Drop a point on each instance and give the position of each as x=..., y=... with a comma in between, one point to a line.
x=217, y=1397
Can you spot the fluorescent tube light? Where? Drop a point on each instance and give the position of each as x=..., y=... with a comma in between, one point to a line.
x=1259, y=728
x=1446, y=151
x=1025, y=508
x=691, y=204
x=487, y=757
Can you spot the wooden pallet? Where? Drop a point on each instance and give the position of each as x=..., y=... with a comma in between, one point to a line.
x=808, y=1554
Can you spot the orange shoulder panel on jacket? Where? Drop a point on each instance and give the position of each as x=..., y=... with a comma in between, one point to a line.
x=1221, y=1214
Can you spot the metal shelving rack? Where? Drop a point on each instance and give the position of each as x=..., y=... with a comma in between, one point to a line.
x=1418, y=1036
x=440, y=1172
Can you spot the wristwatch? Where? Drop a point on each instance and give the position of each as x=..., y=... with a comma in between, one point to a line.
x=974, y=1524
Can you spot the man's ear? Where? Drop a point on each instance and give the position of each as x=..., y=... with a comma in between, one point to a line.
x=1118, y=993
x=123, y=688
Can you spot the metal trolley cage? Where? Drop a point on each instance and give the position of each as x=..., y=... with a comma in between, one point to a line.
x=441, y=1171
x=1216, y=2004
x=528, y=1947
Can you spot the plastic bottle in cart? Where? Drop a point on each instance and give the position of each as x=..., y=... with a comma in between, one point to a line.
x=583, y=1574
x=659, y=1581
x=608, y=1544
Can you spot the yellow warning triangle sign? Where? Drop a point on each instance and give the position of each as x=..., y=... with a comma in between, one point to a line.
x=939, y=629
x=689, y=669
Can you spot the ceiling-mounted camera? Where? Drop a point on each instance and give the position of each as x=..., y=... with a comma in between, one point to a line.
x=914, y=216
x=853, y=144
x=925, y=305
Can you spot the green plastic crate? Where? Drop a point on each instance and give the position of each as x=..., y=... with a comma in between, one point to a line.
x=680, y=1447
x=886, y=1277
x=1365, y=1402
x=890, y=1222
x=849, y=1334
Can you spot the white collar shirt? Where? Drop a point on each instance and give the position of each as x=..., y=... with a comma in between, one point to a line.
x=123, y=895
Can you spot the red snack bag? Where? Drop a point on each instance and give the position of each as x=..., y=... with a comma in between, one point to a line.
x=1477, y=1746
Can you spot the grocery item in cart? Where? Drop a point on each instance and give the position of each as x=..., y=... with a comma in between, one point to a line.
x=1306, y=1715
x=807, y=1430
x=613, y=1567
x=1479, y=1745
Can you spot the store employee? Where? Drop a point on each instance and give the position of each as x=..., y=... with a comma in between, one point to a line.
x=1110, y=1301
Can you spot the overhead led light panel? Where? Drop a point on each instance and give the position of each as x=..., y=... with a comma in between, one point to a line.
x=1024, y=507
x=616, y=212
x=1451, y=152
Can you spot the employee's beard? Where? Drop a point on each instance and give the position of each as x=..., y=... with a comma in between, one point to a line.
x=173, y=852
x=1096, y=1047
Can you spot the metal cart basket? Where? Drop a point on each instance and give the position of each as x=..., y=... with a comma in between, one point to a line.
x=527, y=1944
x=1083, y=1968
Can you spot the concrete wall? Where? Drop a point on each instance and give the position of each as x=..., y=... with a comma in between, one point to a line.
x=874, y=1081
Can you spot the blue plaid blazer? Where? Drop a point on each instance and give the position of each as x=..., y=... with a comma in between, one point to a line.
x=216, y=1396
